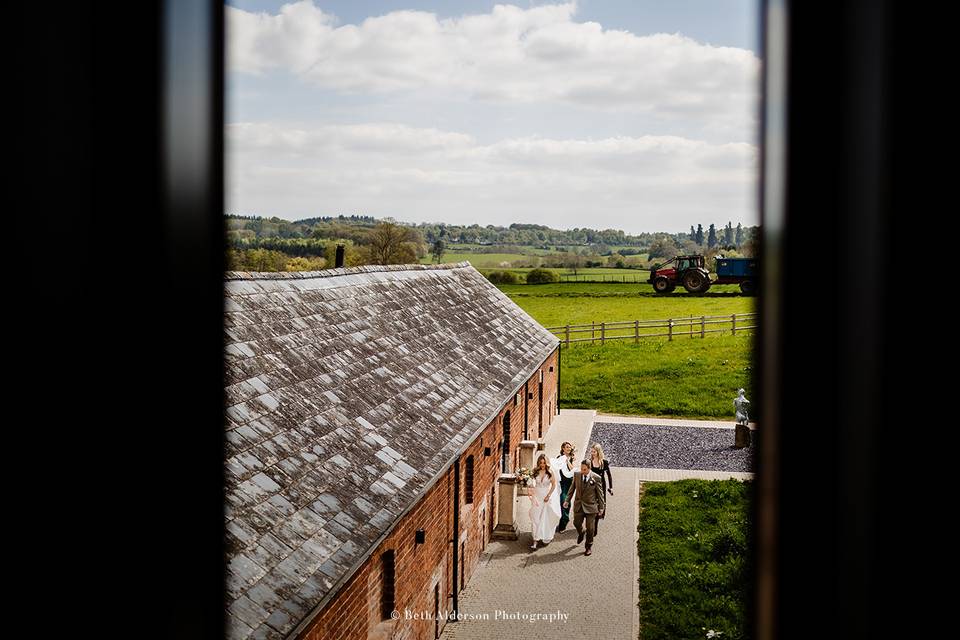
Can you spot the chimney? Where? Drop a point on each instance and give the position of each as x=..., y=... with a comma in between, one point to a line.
x=340, y=251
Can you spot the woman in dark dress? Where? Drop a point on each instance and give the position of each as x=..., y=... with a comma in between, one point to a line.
x=600, y=466
x=565, y=469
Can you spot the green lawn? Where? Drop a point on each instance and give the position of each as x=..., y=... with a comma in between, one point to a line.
x=585, y=274
x=611, y=289
x=688, y=377
x=693, y=566
x=560, y=304
x=487, y=262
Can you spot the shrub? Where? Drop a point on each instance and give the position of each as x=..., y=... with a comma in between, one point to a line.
x=541, y=276
x=503, y=277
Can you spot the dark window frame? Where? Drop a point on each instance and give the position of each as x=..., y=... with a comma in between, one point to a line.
x=468, y=473
x=388, y=584
x=838, y=82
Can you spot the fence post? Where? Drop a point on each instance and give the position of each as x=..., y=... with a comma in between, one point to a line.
x=593, y=332
x=670, y=329
x=603, y=333
x=703, y=326
x=734, y=323
x=568, y=335
x=636, y=332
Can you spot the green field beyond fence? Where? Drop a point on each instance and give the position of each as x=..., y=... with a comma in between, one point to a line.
x=670, y=328
x=617, y=276
x=554, y=305
x=593, y=274
x=680, y=379
x=613, y=370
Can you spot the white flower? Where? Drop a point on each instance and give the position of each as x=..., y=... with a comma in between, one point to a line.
x=714, y=634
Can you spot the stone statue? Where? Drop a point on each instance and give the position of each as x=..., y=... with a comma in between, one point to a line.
x=741, y=437
x=740, y=406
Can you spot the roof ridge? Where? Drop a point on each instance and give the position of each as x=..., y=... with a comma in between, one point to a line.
x=341, y=271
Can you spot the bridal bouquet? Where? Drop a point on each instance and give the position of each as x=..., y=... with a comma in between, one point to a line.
x=525, y=477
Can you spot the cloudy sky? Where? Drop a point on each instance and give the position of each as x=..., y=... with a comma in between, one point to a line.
x=629, y=114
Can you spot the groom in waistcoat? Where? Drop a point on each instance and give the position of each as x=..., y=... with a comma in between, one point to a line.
x=588, y=502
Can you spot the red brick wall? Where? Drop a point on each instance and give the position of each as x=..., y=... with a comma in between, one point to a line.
x=550, y=392
x=355, y=611
x=542, y=406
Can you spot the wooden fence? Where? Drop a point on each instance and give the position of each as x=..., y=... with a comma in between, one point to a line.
x=690, y=326
x=625, y=278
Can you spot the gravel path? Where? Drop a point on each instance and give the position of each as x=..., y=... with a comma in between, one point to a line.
x=669, y=447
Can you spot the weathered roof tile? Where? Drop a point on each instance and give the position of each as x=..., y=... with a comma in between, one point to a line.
x=248, y=611
x=348, y=391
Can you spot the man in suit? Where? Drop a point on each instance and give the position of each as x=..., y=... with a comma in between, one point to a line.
x=589, y=501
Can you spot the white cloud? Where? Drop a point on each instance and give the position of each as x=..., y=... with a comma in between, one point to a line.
x=383, y=169
x=512, y=55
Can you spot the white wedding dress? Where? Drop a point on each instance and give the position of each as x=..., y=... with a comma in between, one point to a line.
x=544, y=516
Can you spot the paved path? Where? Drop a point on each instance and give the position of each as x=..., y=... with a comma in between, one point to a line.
x=519, y=582
x=513, y=584
x=670, y=422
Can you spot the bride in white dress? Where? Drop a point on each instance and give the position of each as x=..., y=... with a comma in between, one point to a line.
x=545, y=502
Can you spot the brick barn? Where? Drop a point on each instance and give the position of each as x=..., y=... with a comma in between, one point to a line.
x=370, y=414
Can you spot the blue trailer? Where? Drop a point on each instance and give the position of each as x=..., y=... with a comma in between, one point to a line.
x=742, y=271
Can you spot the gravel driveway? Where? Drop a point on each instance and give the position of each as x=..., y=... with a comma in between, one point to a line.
x=671, y=447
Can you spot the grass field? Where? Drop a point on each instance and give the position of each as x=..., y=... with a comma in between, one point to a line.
x=487, y=262
x=583, y=273
x=686, y=377
x=560, y=304
x=484, y=261
x=593, y=275
x=474, y=249
x=692, y=550
x=611, y=289
x=696, y=378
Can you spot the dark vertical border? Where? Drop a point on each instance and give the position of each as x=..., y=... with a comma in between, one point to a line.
x=192, y=125
x=766, y=504
x=842, y=533
x=121, y=377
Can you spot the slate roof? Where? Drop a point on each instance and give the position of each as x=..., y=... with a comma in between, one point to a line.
x=349, y=392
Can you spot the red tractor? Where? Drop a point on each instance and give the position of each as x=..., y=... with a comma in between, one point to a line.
x=685, y=270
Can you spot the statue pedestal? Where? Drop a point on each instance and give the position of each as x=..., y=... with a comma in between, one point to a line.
x=506, y=528
x=741, y=436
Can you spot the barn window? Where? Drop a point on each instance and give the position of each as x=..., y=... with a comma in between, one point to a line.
x=505, y=445
x=468, y=481
x=387, y=594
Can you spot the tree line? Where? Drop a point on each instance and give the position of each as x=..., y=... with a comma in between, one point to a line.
x=273, y=244
x=380, y=243
x=354, y=227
